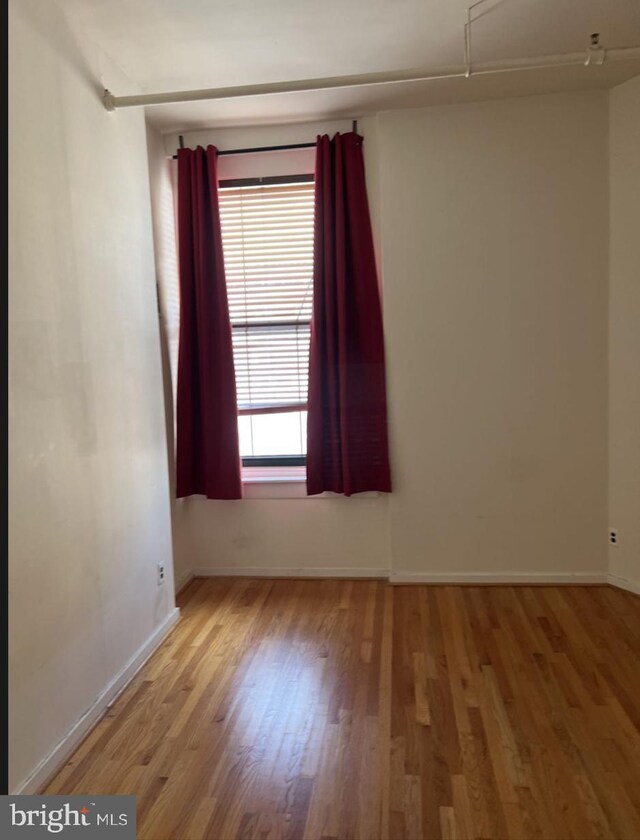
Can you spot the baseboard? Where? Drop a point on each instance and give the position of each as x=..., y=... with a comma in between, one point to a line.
x=498, y=578
x=322, y=572
x=449, y=578
x=49, y=765
x=183, y=581
x=624, y=583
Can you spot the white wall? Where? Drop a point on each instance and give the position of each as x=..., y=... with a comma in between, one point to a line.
x=624, y=330
x=89, y=498
x=494, y=242
x=296, y=536
x=491, y=221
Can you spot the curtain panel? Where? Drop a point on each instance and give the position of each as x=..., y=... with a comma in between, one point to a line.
x=207, y=450
x=347, y=449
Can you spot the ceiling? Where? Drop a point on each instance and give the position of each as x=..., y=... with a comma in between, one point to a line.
x=168, y=45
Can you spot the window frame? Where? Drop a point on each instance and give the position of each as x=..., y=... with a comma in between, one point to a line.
x=269, y=460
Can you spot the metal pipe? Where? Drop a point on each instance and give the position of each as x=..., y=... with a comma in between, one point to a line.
x=467, y=36
x=111, y=102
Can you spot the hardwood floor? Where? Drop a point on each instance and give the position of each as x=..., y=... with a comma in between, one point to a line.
x=319, y=709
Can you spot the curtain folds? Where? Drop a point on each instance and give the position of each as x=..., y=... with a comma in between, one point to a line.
x=207, y=451
x=347, y=450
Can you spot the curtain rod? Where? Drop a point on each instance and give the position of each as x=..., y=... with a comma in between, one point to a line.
x=261, y=149
x=284, y=148
x=592, y=58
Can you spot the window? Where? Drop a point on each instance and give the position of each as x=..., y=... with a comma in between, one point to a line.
x=267, y=234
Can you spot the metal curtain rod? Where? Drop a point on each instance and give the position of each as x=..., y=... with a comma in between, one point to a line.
x=284, y=148
x=589, y=57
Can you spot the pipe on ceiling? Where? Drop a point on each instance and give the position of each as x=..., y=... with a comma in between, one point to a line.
x=112, y=103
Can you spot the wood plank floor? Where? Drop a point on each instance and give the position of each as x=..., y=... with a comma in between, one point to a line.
x=320, y=709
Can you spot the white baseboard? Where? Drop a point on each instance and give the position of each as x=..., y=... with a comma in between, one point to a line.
x=497, y=578
x=451, y=578
x=59, y=754
x=624, y=583
x=322, y=572
x=183, y=581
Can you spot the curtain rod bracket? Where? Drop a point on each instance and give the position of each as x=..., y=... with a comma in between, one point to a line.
x=108, y=100
x=595, y=51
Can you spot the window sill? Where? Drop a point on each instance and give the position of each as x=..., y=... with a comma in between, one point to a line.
x=285, y=479
x=274, y=475
x=288, y=487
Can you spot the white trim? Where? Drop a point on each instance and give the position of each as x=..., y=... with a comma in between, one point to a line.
x=454, y=578
x=273, y=479
x=183, y=581
x=59, y=754
x=624, y=583
x=274, y=475
x=283, y=572
x=451, y=578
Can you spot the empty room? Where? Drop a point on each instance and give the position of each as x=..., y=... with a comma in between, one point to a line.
x=324, y=420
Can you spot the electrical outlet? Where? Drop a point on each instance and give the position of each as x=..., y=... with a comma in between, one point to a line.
x=613, y=536
x=160, y=574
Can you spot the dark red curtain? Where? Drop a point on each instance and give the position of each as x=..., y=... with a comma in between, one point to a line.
x=347, y=448
x=207, y=452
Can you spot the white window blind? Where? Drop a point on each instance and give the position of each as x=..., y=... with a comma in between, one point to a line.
x=267, y=234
